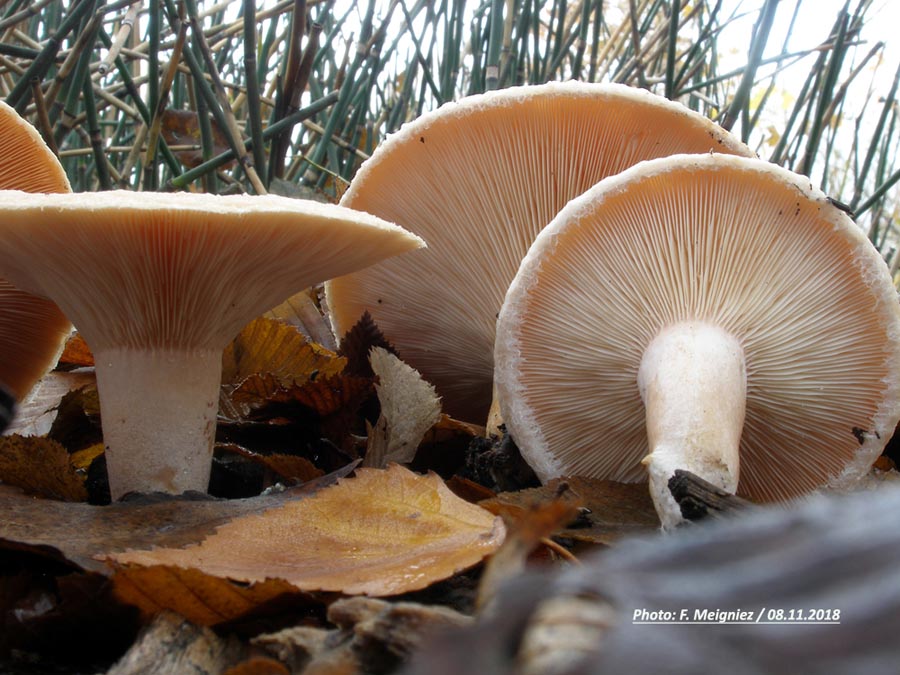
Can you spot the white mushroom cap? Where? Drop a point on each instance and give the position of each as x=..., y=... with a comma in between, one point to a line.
x=157, y=284
x=32, y=329
x=180, y=270
x=478, y=179
x=739, y=245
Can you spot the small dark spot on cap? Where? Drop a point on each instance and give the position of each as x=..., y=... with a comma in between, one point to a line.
x=860, y=434
x=379, y=301
x=421, y=139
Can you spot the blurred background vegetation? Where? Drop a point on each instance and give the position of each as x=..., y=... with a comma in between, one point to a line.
x=290, y=97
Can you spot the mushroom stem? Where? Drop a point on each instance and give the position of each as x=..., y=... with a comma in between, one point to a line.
x=159, y=417
x=693, y=381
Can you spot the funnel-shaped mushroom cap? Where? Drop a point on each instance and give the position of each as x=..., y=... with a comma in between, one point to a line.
x=180, y=270
x=32, y=330
x=157, y=284
x=478, y=180
x=727, y=244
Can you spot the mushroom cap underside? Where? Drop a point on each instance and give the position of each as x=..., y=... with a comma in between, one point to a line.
x=727, y=241
x=32, y=329
x=180, y=270
x=478, y=179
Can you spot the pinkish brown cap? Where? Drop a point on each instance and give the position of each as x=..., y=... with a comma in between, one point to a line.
x=692, y=303
x=32, y=329
x=478, y=179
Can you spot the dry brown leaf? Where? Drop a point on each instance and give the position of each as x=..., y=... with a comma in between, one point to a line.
x=381, y=533
x=357, y=343
x=181, y=127
x=324, y=396
x=409, y=407
x=77, y=533
x=201, y=598
x=303, y=312
x=527, y=528
x=268, y=346
x=41, y=467
x=615, y=509
x=37, y=413
x=445, y=446
x=76, y=354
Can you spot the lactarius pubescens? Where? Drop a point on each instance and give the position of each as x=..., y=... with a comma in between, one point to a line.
x=32, y=329
x=710, y=313
x=157, y=284
x=478, y=179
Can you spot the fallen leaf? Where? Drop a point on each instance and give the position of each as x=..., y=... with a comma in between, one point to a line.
x=291, y=468
x=268, y=346
x=302, y=311
x=41, y=467
x=324, y=395
x=181, y=127
x=383, y=532
x=357, y=344
x=76, y=354
x=202, y=598
x=614, y=509
x=77, y=422
x=83, y=459
x=37, y=412
x=75, y=533
x=527, y=528
x=409, y=407
x=444, y=447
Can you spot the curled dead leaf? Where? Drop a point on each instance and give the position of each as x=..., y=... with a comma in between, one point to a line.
x=409, y=407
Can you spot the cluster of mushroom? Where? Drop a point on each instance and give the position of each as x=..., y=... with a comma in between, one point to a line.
x=703, y=311
x=622, y=278
x=157, y=284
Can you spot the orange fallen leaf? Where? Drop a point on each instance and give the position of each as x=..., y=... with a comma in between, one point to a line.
x=76, y=354
x=383, y=532
x=269, y=346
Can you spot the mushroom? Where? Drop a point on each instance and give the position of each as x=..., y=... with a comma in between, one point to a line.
x=32, y=330
x=157, y=284
x=478, y=179
x=709, y=313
